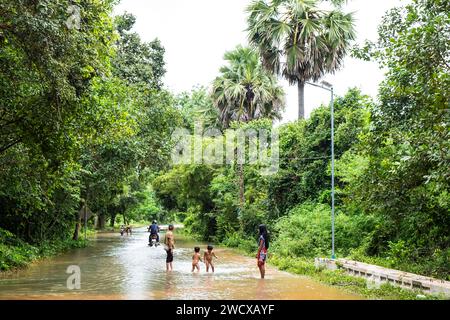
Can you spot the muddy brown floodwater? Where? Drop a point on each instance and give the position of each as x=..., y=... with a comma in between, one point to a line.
x=116, y=267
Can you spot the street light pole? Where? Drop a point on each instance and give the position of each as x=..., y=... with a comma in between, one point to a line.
x=329, y=87
x=333, y=256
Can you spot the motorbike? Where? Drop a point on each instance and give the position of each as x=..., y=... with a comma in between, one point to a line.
x=153, y=240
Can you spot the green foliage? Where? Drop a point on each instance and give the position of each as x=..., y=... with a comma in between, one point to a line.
x=147, y=208
x=306, y=231
x=245, y=91
x=15, y=253
x=136, y=61
x=83, y=118
x=402, y=174
x=305, y=151
x=241, y=242
x=198, y=105
x=46, y=67
x=304, y=266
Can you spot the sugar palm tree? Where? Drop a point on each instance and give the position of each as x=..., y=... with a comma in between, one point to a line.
x=246, y=91
x=298, y=40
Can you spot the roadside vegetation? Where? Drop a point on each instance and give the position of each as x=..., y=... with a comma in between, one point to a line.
x=392, y=166
x=16, y=253
x=85, y=121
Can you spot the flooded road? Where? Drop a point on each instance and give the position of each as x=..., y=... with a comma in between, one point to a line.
x=116, y=267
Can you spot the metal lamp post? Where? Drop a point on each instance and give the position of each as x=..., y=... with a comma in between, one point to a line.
x=329, y=87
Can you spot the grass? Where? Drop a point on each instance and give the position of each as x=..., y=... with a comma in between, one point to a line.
x=339, y=278
x=438, y=267
x=305, y=266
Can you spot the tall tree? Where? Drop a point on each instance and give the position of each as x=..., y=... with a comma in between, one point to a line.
x=406, y=180
x=136, y=61
x=246, y=91
x=50, y=54
x=46, y=65
x=299, y=40
x=198, y=105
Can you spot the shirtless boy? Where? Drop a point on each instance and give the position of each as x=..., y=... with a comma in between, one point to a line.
x=170, y=245
x=208, y=257
x=196, y=258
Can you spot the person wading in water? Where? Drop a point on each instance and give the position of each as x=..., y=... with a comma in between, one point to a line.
x=263, y=245
x=169, y=241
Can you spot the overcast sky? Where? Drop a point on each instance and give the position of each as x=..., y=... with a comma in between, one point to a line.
x=196, y=34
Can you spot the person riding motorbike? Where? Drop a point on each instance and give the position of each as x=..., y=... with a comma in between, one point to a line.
x=154, y=230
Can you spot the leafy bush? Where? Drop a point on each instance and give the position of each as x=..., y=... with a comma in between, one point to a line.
x=306, y=231
x=15, y=253
x=237, y=240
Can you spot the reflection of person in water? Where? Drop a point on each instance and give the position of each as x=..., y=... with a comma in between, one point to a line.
x=261, y=290
x=169, y=242
x=170, y=284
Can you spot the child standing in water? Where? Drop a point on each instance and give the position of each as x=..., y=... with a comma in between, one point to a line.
x=208, y=257
x=196, y=258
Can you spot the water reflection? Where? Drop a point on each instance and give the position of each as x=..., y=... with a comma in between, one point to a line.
x=118, y=267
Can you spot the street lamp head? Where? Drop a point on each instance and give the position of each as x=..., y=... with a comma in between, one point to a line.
x=326, y=84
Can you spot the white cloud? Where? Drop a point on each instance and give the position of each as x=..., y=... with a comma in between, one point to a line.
x=197, y=33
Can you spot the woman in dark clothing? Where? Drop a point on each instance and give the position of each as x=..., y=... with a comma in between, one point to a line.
x=263, y=245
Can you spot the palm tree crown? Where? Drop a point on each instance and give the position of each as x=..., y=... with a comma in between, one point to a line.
x=245, y=90
x=298, y=40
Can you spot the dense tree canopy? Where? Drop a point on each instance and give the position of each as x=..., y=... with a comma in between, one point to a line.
x=79, y=124
x=135, y=61
x=405, y=178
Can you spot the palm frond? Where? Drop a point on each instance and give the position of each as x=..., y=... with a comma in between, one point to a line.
x=245, y=90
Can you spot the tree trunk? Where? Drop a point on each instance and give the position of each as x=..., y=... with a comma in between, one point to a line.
x=301, y=100
x=113, y=220
x=77, y=231
x=28, y=232
x=241, y=186
x=101, y=222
